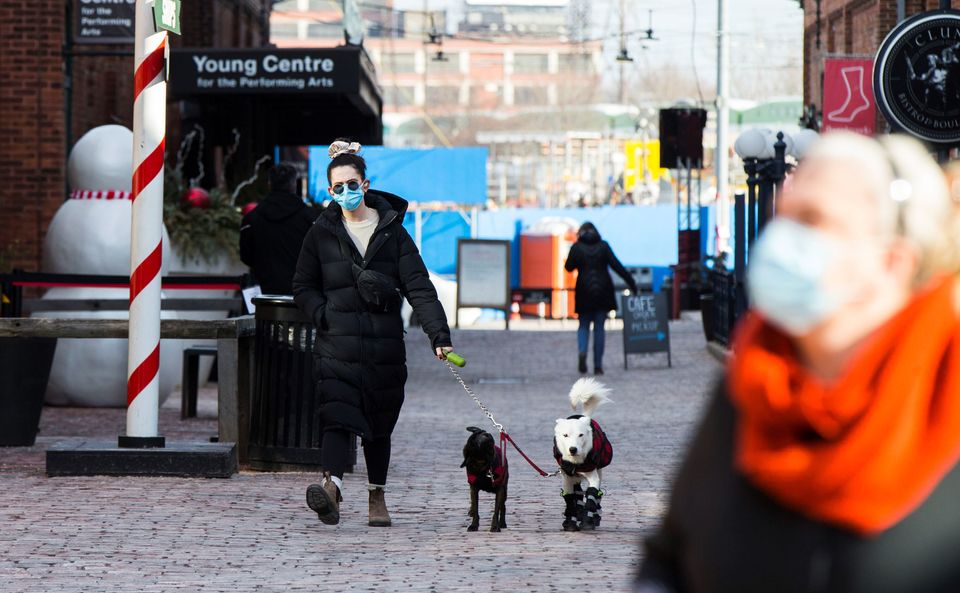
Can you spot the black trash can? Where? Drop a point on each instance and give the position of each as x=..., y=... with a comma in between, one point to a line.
x=24, y=371
x=286, y=427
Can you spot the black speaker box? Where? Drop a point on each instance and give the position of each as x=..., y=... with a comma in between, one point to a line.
x=681, y=138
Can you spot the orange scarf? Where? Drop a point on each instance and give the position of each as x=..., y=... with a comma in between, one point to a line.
x=866, y=450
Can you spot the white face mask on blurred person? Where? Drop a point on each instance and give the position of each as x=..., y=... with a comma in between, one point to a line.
x=786, y=276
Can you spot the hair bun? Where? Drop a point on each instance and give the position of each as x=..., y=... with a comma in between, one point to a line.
x=342, y=147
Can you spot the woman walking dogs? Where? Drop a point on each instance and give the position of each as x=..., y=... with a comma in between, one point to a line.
x=591, y=256
x=356, y=264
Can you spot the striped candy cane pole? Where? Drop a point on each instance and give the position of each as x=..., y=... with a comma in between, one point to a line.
x=149, y=128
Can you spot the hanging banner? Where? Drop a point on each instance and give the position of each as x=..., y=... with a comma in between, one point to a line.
x=917, y=77
x=103, y=21
x=848, y=101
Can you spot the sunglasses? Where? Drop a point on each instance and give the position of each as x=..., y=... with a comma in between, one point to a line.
x=352, y=185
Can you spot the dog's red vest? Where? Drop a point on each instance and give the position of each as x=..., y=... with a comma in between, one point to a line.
x=498, y=472
x=600, y=455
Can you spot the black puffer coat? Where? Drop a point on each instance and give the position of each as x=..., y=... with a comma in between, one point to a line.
x=722, y=535
x=591, y=256
x=270, y=239
x=359, y=355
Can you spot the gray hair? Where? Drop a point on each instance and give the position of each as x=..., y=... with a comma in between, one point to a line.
x=913, y=199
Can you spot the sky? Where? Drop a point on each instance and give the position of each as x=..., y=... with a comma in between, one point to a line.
x=766, y=36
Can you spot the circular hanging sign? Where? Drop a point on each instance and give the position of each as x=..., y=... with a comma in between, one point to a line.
x=916, y=76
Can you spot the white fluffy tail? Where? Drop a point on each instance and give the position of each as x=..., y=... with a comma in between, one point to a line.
x=589, y=393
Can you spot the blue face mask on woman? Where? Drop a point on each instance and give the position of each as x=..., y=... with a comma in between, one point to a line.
x=784, y=278
x=350, y=196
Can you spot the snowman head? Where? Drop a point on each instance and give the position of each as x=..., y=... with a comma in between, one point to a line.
x=102, y=160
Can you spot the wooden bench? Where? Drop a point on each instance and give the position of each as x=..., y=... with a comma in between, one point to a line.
x=235, y=340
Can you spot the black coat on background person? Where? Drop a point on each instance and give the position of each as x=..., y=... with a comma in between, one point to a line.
x=723, y=535
x=591, y=256
x=359, y=354
x=270, y=239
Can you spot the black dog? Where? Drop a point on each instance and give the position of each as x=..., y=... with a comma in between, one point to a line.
x=486, y=470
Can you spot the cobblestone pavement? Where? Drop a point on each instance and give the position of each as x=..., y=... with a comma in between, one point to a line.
x=254, y=533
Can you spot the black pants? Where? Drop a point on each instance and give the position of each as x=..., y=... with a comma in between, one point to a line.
x=376, y=452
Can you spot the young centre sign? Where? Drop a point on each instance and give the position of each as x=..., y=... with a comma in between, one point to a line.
x=264, y=70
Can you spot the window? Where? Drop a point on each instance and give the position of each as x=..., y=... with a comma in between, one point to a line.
x=443, y=95
x=450, y=64
x=530, y=63
x=323, y=6
x=399, y=63
x=530, y=95
x=325, y=31
x=578, y=63
x=283, y=30
x=400, y=96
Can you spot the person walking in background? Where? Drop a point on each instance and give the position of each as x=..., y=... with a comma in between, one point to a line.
x=828, y=457
x=594, y=297
x=356, y=264
x=271, y=234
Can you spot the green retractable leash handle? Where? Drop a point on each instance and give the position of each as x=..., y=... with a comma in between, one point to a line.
x=456, y=359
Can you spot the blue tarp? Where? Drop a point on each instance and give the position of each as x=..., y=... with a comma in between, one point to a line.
x=440, y=231
x=641, y=236
x=456, y=175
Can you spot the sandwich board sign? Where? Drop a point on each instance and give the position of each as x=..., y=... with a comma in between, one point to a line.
x=645, y=325
x=483, y=276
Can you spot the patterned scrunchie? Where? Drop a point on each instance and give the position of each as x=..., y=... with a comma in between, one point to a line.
x=340, y=147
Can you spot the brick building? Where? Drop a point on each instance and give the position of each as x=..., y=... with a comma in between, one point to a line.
x=855, y=28
x=53, y=90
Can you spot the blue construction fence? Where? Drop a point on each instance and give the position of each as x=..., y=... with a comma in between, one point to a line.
x=641, y=236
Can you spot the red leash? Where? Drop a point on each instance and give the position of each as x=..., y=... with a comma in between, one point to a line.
x=503, y=434
x=505, y=437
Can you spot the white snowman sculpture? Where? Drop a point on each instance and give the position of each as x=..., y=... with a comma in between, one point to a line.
x=90, y=234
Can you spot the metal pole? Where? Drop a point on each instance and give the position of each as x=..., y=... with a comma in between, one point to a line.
x=901, y=10
x=764, y=194
x=149, y=129
x=721, y=159
x=944, y=4
x=739, y=252
x=779, y=173
x=622, y=92
x=750, y=166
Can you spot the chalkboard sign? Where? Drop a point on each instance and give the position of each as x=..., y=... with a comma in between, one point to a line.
x=645, y=326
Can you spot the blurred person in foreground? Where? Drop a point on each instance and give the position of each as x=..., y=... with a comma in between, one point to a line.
x=828, y=458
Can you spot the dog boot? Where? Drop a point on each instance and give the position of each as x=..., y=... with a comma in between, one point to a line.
x=570, y=522
x=599, y=511
x=591, y=518
x=325, y=499
x=581, y=509
x=582, y=364
x=378, y=517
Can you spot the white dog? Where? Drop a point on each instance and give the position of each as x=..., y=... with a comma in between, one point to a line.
x=582, y=450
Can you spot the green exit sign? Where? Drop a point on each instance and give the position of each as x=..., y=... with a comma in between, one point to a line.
x=166, y=15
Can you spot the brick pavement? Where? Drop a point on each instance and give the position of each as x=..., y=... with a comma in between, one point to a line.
x=254, y=533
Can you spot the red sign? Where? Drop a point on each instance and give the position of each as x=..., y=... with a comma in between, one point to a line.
x=848, y=102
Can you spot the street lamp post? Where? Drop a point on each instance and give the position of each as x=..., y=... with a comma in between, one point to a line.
x=750, y=167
